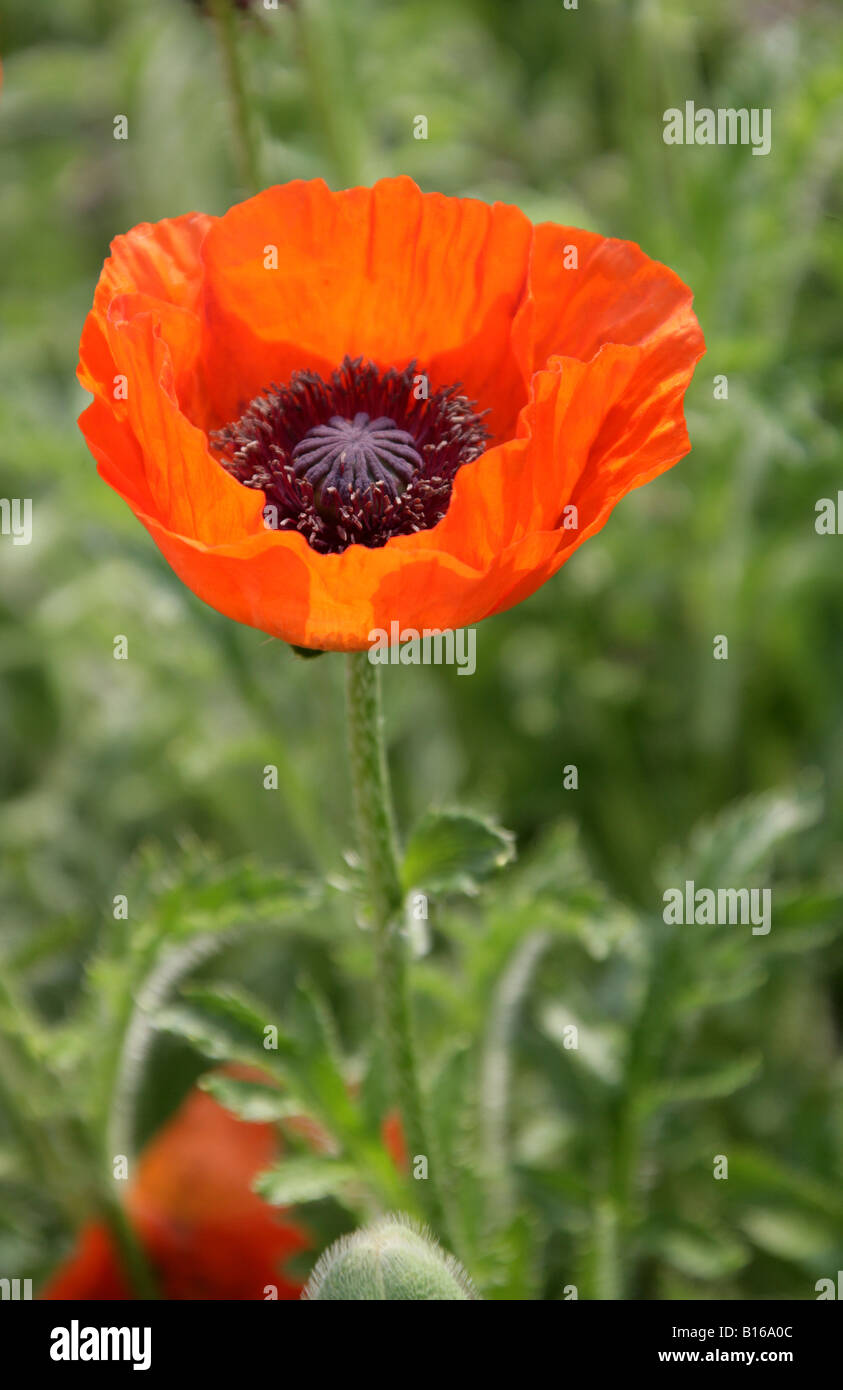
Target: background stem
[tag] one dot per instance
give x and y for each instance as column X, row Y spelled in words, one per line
column 376, row 833
column 334, row 104
column 225, row 23
column 131, row 1253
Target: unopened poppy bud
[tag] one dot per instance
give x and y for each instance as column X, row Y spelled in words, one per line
column 394, row 1259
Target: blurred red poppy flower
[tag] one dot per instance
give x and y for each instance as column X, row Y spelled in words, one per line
column 206, row 1233
column 392, row 1134
column 334, row 411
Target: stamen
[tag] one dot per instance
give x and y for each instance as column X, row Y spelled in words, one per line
column 357, row 459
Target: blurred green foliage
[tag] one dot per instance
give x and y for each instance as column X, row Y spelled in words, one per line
column 141, row 777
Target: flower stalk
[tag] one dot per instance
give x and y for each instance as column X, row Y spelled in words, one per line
column 379, row 852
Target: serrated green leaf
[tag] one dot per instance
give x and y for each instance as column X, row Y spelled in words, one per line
column 232, row 895
column 224, row 1025
column 249, row 1100
column 297, row 1180
column 454, row 851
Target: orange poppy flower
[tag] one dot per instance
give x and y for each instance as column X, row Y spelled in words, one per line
column 206, row 1233
column 336, row 411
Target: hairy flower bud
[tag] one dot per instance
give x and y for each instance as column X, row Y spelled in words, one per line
column 392, row 1259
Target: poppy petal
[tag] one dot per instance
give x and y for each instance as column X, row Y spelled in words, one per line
column 205, row 1231
column 387, row 273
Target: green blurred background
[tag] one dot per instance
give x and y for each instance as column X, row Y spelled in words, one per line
column 609, row 667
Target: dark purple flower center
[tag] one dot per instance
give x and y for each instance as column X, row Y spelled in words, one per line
column 354, row 460
column 350, row 456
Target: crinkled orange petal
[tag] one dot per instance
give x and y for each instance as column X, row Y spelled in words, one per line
column 387, row 273
column 614, row 293
column 189, row 496
column 160, row 261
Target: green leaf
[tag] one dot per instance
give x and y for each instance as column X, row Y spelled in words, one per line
column 755, row 1174
column 791, row 1235
column 699, row 1253
column 598, row 1047
column 554, row 888
column 250, row 1100
column 806, row 919
column 506, row 1265
column 223, row 1025
column 712, row 1083
column 229, row 895
column 454, row 851
column 181, row 913
column 742, row 839
column 297, row 1180
column 719, row 988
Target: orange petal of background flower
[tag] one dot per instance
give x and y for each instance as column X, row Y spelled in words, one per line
column 207, row 1234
